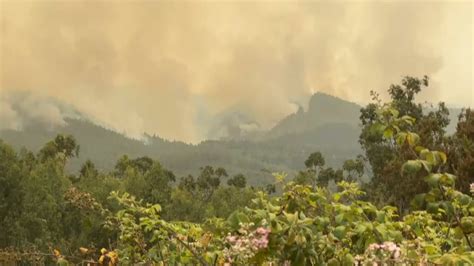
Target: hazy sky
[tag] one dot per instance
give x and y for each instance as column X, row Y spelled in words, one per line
column 170, row 67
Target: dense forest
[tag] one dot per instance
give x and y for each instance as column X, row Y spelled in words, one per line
column 406, row 199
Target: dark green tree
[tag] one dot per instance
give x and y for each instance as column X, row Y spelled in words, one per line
column 384, row 156
column 11, row 195
column 314, row 161
column 239, row 181
column 353, row 169
column 208, row 181
column 63, row 146
column 88, row 169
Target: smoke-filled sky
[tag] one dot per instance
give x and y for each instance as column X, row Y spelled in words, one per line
column 171, row 67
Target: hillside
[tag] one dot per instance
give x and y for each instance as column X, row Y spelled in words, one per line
column 323, row 109
column 329, row 125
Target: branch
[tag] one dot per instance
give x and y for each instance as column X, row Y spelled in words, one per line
column 457, row 219
column 186, row 245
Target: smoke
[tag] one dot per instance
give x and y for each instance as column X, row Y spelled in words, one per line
column 170, row 68
column 9, row 118
column 19, row 110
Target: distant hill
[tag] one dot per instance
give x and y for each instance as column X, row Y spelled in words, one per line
column 323, row 110
column 329, row 125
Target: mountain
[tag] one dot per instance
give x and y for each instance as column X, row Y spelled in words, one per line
column 323, row 110
column 329, row 125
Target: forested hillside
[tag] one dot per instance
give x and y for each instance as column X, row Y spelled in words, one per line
column 416, row 208
column 329, row 125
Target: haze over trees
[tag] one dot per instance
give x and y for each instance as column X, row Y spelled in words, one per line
column 329, row 125
column 406, row 198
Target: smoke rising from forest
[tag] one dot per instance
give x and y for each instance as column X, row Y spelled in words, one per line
column 171, row 67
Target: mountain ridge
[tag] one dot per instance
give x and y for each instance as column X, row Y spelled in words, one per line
column 329, row 125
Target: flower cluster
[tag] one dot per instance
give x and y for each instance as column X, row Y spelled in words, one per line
column 387, row 251
column 246, row 243
column 472, row 187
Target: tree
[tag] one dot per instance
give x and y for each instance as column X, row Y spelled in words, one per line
column 88, row 169
column 315, row 160
column 384, row 156
column 208, row 181
column 238, row 181
column 158, row 184
column 460, row 150
column 43, row 203
column 354, row 169
column 196, row 199
column 315, row 173
column 140, row 164
column 64, row 146
column 327, row 174
column 11, row 194
column 305, row 177
column 187, row 183
column 121, row 166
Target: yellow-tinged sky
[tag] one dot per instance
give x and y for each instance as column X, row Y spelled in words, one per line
column 169, row 67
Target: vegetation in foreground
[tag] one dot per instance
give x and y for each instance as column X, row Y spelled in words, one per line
column 416, row 210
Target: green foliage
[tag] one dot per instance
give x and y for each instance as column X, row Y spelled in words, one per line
column 145, row 237
column 309, row 225
column 317, row 174
column 237, row 181
column 392, row 133
column 63, row 146
column 321, row 217
column 314, row 160
column 460, row 150
column 354, row 169
column 301, row 227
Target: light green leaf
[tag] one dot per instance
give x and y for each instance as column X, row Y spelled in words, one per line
column 411, row 166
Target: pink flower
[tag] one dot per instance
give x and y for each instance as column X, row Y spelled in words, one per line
column 231, row 239
column 262, row 231
column 374, row 246
column 390, row 246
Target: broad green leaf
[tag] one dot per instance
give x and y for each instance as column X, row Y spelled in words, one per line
column 447, row 179
column 339, row 232
column 360, row 228
column 291, row 217
column 348, row 260
column 443, row 157
column 411, row 166
column 427, row 166
column 394, row 112
column 412, row 139
column 401, row 138
column 433, row 179
column 431, row 158
column 382, row 230
column 432, row 207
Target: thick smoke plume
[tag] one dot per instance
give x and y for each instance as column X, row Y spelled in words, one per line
column 170, row 67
